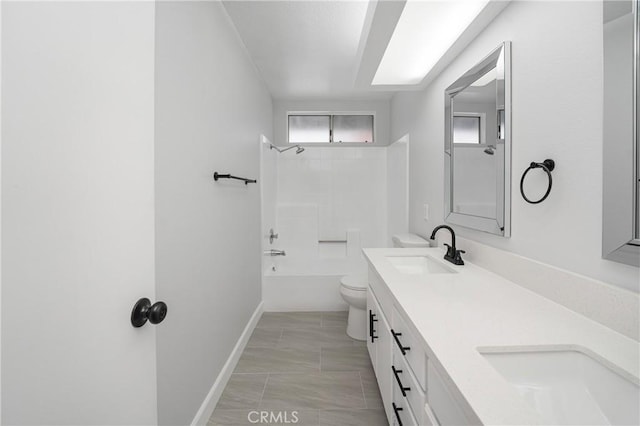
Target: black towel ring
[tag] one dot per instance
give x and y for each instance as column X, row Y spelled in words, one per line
column 547, row 165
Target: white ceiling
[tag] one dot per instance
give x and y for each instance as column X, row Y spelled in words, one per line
column 304, row 49
column 331, row 49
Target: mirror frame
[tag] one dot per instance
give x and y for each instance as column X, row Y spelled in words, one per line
column 620, row 227
column 493, row 226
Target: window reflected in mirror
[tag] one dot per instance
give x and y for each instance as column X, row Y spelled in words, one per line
column 467, row 128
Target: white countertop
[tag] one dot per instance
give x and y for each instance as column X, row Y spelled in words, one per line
column 455, row 314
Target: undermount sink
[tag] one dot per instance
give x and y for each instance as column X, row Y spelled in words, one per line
column 570, row 387
column 418, row 265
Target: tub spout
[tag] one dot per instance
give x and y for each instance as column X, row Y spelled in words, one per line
column 274, row 252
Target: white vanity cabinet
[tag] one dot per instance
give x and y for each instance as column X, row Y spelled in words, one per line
column 413, row 392
column 454, row 348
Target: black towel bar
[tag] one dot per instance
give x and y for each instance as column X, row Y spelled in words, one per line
column 246, row 181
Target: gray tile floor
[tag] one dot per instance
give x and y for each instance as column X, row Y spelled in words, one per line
column 302, row 362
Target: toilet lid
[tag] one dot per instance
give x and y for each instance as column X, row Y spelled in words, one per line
column 409, row 240
column 355, row 282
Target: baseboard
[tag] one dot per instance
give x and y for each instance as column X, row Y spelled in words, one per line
column 212, row 398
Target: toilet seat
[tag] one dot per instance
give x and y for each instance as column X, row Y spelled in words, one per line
column 355, row 282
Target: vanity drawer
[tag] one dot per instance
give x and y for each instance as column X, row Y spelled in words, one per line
column 404, row 379
column 408, row 344
column 401, row 413
column 444, row 406
column 380, row 289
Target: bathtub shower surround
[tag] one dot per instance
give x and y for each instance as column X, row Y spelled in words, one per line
column 268, row 188
column 330, row 202
column 333, row 190
column 398, row 188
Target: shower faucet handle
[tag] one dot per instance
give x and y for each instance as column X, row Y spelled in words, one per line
column 272, row 236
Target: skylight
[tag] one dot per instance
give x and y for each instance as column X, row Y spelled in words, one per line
column 425, row 31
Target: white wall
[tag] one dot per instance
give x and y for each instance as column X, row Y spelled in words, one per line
column 380, row 107
column 557, row 113
column 210, row 111
column 77, row 212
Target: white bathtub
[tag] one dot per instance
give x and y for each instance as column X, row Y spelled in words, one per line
column 298, row 285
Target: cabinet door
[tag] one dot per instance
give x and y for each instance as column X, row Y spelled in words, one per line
column 372, row 328
column 429, row 418
column 442, row 403
column 384, row 360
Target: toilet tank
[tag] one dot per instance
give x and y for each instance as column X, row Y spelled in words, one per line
column 408, row 241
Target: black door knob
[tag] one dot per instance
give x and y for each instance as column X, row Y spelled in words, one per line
column 144, row 311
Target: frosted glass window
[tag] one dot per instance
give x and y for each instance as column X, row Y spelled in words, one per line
column 353, row 128
column 309, row 128
column 466, row 129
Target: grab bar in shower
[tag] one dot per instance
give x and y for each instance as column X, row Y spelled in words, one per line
column 246, row 181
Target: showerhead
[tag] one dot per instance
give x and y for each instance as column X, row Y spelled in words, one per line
column 298, row 148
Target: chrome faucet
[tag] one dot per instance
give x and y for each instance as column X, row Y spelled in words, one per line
column 272, row 236
column 274, row 252
column 452, row 255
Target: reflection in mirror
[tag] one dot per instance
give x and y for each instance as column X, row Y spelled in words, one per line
column 477, row 146
column 621, row 189
column 478, row 157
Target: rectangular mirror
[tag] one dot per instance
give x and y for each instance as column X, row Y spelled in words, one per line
column 478, row 146
column 621, row 189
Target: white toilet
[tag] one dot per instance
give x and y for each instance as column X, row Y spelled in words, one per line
column 353, row 289
column 409, row 241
